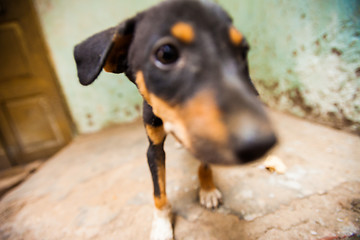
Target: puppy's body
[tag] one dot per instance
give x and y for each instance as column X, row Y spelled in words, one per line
column 189, row 64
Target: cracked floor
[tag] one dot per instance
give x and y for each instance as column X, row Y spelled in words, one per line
column 99, row 187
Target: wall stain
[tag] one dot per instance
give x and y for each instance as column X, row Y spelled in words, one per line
column 315, row 73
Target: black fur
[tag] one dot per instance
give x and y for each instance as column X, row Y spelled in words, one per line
column 91, row 54
column 149, row 117
column 211, row 62
column 156, row 160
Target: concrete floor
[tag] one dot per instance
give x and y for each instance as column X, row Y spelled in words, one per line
column 99, row 187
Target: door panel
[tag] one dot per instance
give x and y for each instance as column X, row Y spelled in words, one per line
column 14, row 54
column 34, row 122
column 4, row 160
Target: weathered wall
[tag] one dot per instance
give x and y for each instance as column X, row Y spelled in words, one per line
column 304, row 57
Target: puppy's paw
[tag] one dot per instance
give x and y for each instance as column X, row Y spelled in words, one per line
column 210, row 198
column 161, row 228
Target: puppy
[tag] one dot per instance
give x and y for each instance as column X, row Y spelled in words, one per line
column 190, row 65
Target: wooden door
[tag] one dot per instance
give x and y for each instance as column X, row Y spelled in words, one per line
column 34, row 122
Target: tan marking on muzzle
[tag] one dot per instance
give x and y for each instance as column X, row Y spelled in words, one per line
column 183, row 31
column 171, row 115
column 199, row 116
column 203, row 117
column 163, row 110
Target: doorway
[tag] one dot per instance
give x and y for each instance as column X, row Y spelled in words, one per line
column 34, row 120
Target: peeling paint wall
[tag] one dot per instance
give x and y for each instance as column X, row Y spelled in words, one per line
column 304, row 57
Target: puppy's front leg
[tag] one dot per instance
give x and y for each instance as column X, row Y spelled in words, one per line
column 161, row 225
column 209, row 195
column 162, row 221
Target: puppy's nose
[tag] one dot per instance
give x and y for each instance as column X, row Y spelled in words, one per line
column 254, row 147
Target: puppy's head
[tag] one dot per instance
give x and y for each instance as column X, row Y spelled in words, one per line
column 190, row 64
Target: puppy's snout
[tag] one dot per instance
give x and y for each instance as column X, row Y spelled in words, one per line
column 251, row 135
column 253, row 147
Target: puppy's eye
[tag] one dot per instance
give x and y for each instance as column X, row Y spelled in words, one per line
column 167, row 54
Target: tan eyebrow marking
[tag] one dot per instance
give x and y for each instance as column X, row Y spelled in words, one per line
column 183, row 31
column 235, row 36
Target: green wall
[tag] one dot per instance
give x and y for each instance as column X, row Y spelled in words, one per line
column 112, row 98
column 304, row 57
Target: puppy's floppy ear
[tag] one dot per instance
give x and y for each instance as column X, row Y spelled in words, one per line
column 107, row 49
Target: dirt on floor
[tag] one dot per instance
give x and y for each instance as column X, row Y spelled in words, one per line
column 99, row 187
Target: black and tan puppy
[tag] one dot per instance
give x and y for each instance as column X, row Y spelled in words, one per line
column 190, row 65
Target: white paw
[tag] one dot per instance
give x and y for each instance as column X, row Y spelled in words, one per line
column 210, row 199
column 161, row 228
